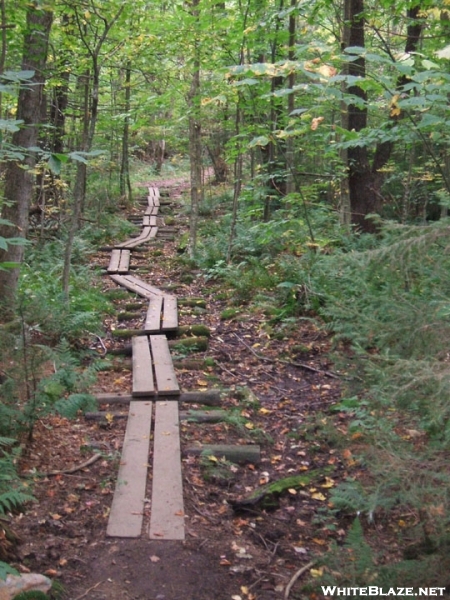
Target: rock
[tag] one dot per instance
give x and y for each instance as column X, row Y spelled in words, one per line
column 15, row 584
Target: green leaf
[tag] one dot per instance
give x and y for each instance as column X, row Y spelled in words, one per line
column 262, row 140
column 5, row 570
column 54, row 164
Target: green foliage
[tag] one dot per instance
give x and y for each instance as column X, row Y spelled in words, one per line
column 13, row 493
column 75, row 403
column 5, row 570
column 44, row 305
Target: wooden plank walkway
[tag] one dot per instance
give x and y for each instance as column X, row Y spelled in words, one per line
column 127, row 510
column 167, row 513
column 153, row 371
column 120, row 261
column 153, row 377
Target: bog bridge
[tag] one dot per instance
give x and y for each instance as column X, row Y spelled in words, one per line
column 155, row 391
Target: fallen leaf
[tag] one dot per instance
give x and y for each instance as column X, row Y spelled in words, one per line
column 316, row 572
column 154, row 558
column 318, row 496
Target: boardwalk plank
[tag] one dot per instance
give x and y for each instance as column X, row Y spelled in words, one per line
column 170, row 313
column 166, row 380
column 124, row 263
column 127, row 510
column 114, row 261
column 153, row 319
column 137, row 286
column 143, row 382
column 167, row 514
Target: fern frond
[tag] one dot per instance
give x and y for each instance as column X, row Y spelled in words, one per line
column 71, row 406
column 12, row 500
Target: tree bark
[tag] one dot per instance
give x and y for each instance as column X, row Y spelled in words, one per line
column 19, row 178
column 364, row 176
column 195, row 141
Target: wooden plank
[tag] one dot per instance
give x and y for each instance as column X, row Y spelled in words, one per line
column 150, row 235
column 149, row 220
column 132, row 242
column 137, row 286
column 166, row 380
column 153, row 319
column 208, row 398
column 131, row 285
column 150, row 288
column 124, row 264
column 114, row 262
column 151, row 210
column 167, row 513
column 170, row 313
column 127, row 510
column 143, row 383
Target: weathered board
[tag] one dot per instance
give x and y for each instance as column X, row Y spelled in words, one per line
column 167, row 512
column 120, row 261
column 143, row 382
column 166, row 379
column 153, row 318
column 170, row 313
column 149, row 220
column 127, row 510
column 152, row 210
column 137, row 286
column 114, row 261
column 124, row 263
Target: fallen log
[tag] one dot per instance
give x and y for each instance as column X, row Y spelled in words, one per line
column 207, row 398
column 235, row 454
column 197, row 416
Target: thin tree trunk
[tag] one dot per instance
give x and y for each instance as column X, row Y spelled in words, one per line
column 19, row 178
column 195, row 142
column 125, row 184
column 290, row 146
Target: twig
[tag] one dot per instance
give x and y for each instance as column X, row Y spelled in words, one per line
column 89, row 590
column 294, row 579
column 102, row 344
column 309, row 368
column 86, row 463
column 289, row 362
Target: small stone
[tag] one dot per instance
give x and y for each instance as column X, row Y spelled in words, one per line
column 15, row 584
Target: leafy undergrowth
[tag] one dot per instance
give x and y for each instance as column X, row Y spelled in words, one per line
column 247, row 535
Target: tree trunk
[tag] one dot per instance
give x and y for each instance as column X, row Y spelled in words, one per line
column 195, row 141
column 125, row 184
column 364, row 178
column 19, row 178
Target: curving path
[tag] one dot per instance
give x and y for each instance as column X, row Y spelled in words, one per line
column 155, row 391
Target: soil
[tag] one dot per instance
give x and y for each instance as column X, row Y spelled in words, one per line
column 276, row 380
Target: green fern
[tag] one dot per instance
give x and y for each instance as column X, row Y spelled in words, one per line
column 75, row 403
column 13, row 500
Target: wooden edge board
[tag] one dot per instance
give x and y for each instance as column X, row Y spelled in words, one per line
column 166, row 379
column 135, row 285
column 170, row 313
column 127, row 510
column 154, row 290
column 132, row 287
column 124, row 263
column 167, row 513
column 143, row 381
column 153, row 318
column 114, row 261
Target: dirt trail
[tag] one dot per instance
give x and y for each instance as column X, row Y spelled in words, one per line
column 252, row 555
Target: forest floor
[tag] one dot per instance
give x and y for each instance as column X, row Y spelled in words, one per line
column 277, row 380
